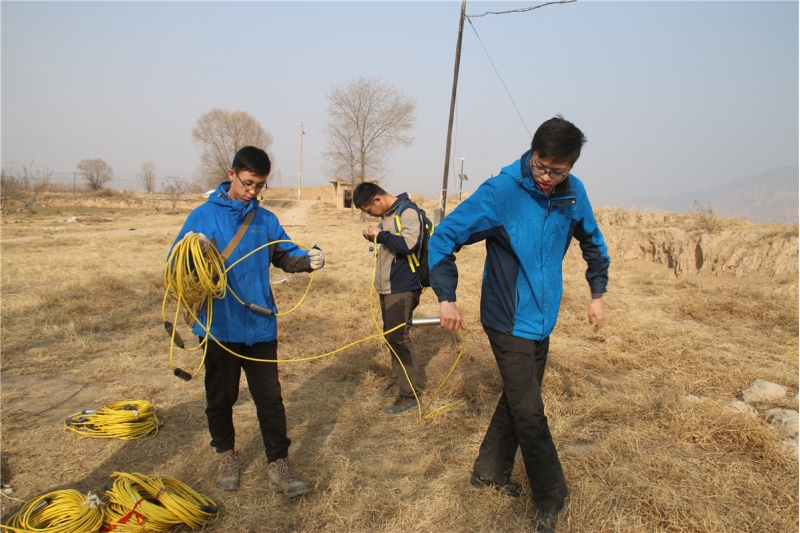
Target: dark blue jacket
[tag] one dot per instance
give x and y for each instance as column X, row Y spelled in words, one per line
column 218, row 219
column 527, row 234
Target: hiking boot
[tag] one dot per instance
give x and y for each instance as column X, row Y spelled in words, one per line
column 547, row 520
column 507, row 489
column 228, row 478
column 391, row 390
column 400, row 405
column 282, row 479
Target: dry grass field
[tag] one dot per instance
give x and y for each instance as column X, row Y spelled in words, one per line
column 637, row 410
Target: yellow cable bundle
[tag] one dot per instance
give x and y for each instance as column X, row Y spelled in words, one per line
column 62, row 511
column 139, row 503
column 126, row 420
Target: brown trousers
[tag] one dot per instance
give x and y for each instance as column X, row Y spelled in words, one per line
column 398, row 309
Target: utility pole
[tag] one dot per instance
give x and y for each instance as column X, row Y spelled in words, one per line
column 74, row 177
column 461, row 178
column 443, row 201
column 300, row 165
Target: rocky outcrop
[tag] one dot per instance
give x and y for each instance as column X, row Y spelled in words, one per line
column 741, row 248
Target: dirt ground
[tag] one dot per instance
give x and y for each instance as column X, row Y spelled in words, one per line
column 81, row 326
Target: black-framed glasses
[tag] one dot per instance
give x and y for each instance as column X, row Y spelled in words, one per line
column 256, row 188
column 539, row 171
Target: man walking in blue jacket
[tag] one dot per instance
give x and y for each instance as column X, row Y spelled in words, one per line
column 527, row 215
column 242, row 330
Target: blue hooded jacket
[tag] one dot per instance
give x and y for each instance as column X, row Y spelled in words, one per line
column 527, row 235
column 218, row 219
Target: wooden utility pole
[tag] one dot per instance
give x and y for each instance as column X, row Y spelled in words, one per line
column 74, row 178
column 300, row 165
column 443, row 201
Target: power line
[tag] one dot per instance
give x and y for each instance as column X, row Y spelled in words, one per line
column 520, row 10
column 498, row 74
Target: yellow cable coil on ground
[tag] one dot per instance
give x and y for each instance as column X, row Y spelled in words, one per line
column 62, row 511
column 126, row 420
column 138, row 503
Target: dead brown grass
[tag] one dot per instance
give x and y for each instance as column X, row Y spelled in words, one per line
column 81, row 327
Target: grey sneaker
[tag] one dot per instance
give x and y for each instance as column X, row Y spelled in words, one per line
column 391, row 390
column 228, row 478
column 400, row 405
column 282, row 479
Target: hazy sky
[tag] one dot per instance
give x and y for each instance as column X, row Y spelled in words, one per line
column 672, row 96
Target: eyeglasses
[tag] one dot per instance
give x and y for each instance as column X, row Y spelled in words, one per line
column 256, row 188
column 555, row 176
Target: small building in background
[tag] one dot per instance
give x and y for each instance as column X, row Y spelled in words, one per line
column 343, row 192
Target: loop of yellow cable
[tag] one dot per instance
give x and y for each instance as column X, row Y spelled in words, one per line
column 62, row 511
column 125, row 420
column 138, row 503
column 193, row 277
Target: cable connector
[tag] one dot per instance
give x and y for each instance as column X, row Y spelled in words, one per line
column 184, row 375
column 259, row 309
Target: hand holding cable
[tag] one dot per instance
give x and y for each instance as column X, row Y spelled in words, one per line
column 316, row 258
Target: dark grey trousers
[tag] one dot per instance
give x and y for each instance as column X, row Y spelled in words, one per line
column 519, row 421
column 397, row 309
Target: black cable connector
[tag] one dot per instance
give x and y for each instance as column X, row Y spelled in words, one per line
column 210, row 509
column 184, row 375
column 174, row 335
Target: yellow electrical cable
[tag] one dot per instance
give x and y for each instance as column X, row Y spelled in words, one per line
column 125, row 420
column 140, row 503
column 192, row 284
column 62, row 511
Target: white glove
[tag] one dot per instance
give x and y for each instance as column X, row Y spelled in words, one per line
column 316, row 258
column 204, row 242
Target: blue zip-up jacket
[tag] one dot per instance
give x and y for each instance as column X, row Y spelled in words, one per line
column 219, row 219
column 527, row 235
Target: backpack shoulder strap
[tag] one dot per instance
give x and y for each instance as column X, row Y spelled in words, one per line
column 238, row 236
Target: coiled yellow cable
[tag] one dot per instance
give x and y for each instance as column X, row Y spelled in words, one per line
column 126, row 420
column 62, row 511
column 139, row 503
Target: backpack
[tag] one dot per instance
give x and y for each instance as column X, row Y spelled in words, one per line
column 419, row 261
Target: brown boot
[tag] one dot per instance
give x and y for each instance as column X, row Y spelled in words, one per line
column 228, row 478
column 282, row 479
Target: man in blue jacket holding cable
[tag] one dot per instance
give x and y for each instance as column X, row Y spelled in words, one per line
column 249, row 329
column 527, row 215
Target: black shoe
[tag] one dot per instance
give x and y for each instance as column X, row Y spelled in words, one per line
column 400, row 405
column 547, row 520
column 507, row 489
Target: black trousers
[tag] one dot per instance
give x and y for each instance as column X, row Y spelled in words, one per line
column 223, row 371
column 519, row 421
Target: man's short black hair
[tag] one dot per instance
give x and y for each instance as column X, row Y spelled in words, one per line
column 253, row 160
column 558, row 138
column 365, row 192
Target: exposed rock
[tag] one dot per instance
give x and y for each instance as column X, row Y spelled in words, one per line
column 761, row 391
column 657, row 237
column 738, row 406
column 783, row 421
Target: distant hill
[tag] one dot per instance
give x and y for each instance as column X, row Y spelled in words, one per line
column 771, row 196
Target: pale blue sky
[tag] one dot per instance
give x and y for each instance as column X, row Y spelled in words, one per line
column 672, row 96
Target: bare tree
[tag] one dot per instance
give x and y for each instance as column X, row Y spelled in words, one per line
column 222, row 133
column 369, row 117
column 95, row 171
column 176, row 188
column 23, row 185
column 147, row 179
